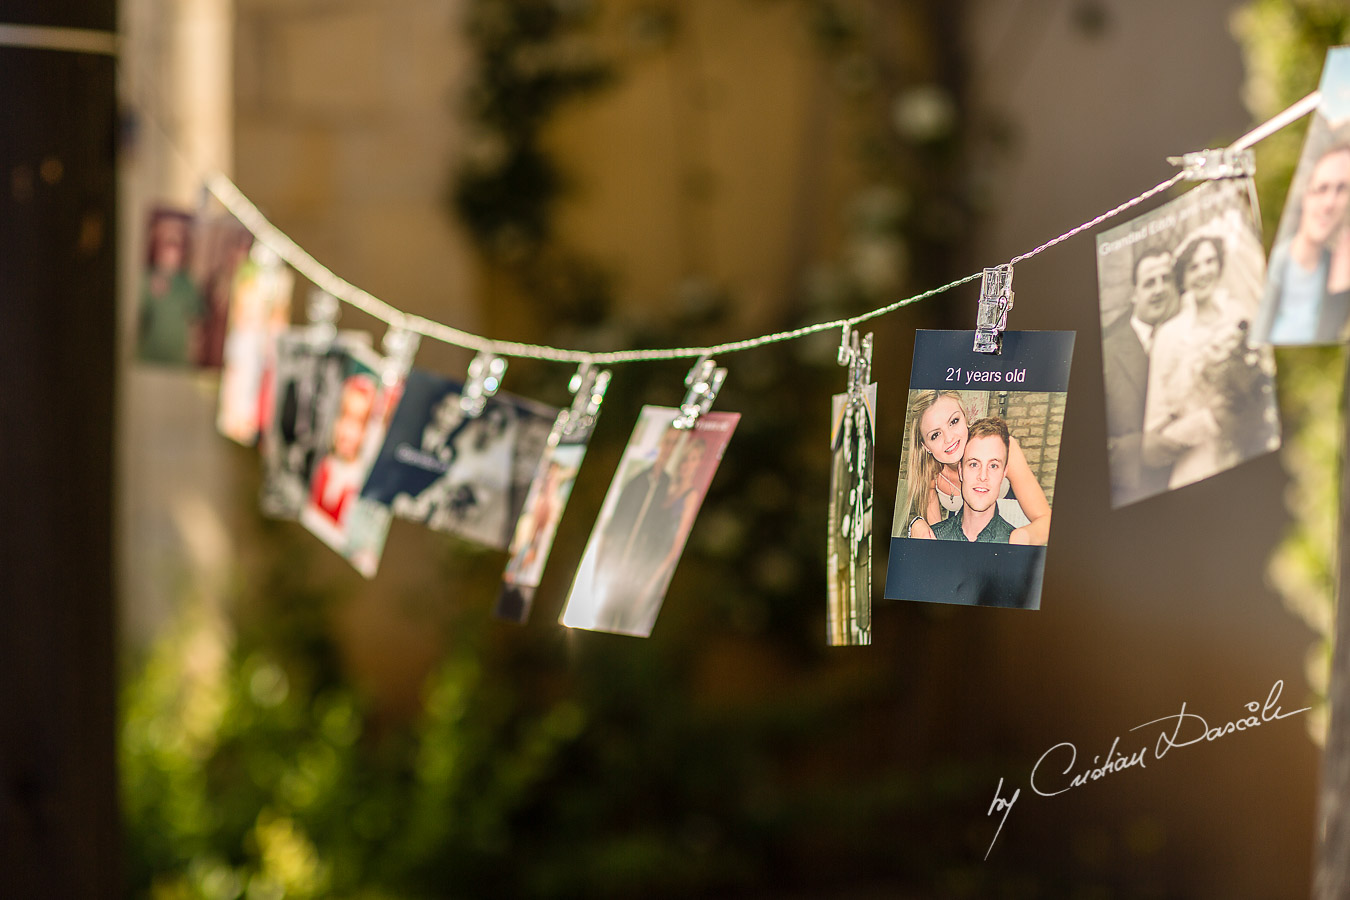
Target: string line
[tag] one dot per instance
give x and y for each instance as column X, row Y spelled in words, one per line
column 1093, row 223
column 1278, row 121
column 248, row 214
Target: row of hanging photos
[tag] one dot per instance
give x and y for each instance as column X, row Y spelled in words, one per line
column 324, row 409
column 1205, row 387
column 351, row 439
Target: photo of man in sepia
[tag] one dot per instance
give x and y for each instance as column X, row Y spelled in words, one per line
column 1187, row 396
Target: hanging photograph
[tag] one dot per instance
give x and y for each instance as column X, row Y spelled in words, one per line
column 848, row 620
column 977, row 476
column 463, row 475
column 365, row 404
column 221, row 248
column 1187, row 396
column 260, row 310
column 190, row 263
column 645, row 521
column 1307, row 292
column 308, row 381
column 538, row 524
column 170, row 312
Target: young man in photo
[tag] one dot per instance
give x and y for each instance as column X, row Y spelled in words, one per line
column 982, row 465
column 1302, row 305
column 1126, row 345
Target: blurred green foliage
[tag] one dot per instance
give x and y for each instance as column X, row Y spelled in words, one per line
column 1284, row 44
column 243, row 777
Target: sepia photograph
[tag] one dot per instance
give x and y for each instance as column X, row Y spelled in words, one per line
column 1307, row 293
column 978, row 468
column 1187, row 395
column 645, row 521
column 464, row 475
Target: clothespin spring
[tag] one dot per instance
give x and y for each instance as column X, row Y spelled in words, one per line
column 703, row 382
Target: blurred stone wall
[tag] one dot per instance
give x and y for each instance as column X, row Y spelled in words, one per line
column 175, row 538
column 345, row 135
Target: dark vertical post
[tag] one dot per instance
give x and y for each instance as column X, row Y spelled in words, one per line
column 58, row 811
column 1331, row 877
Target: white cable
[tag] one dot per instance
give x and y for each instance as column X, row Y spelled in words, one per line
column 252, row 218
column 1275, row 123
column 1092, row 223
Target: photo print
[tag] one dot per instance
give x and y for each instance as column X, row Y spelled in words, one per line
column 222, row 247
column 308, row 384
column 538, row 524
column 645, row 521
column 466, row 476
column 977, row 476
column 365, row 404
column 185, row 289
column 170, row 310
column 1307, row 292
column 1187, row 396
column 260, row 310
column 849, row 583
